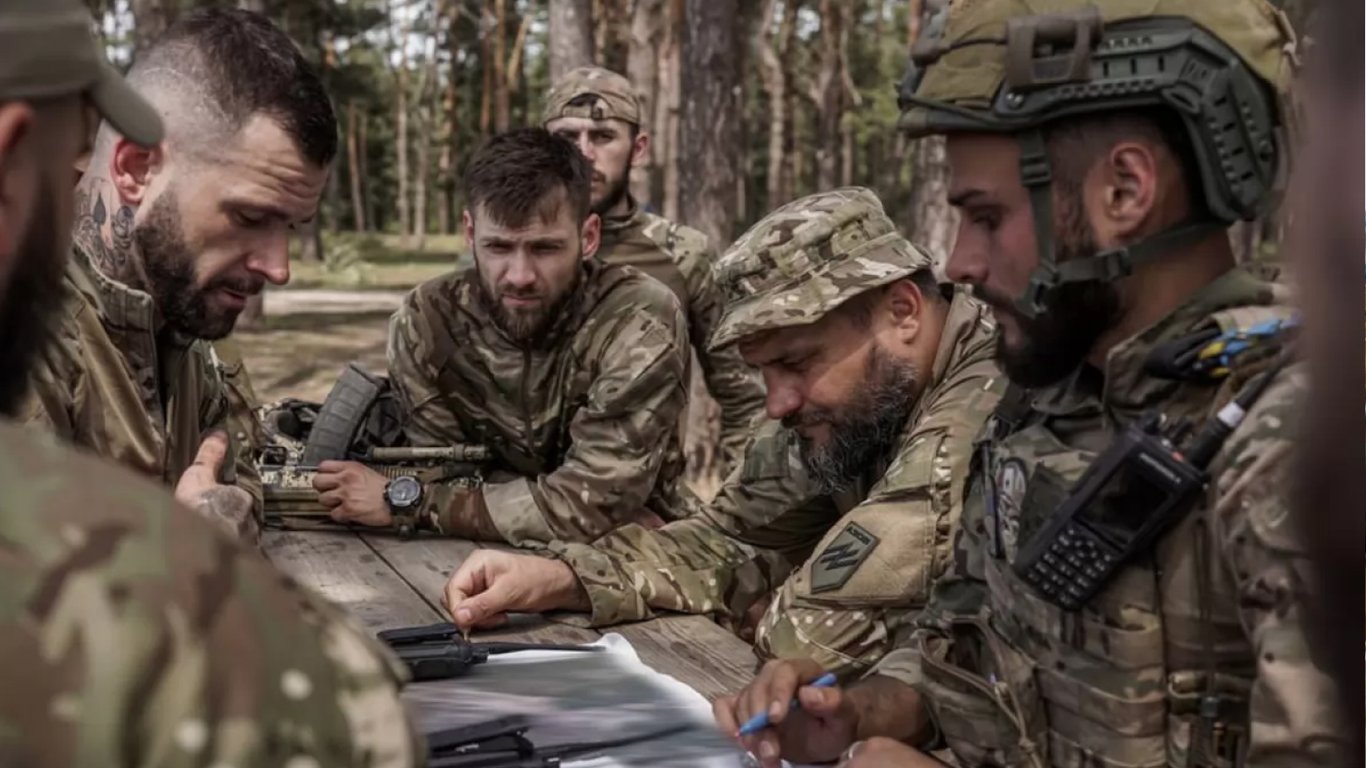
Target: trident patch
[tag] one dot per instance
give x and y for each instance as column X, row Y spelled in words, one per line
column 838, row 561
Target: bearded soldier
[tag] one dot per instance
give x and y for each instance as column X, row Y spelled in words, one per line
column 840, row 517
column 1128, row 588
column 599, row 111
column 570, row 370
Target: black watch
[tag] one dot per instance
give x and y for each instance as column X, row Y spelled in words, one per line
column 403, row 494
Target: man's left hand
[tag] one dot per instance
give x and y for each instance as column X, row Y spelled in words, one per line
column 882, row 752
column 354, row 493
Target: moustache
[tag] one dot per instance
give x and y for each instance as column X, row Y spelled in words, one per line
column 245, row 286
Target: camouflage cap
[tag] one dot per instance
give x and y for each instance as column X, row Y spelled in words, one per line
column 615, row 98
column 47, row 50
column 808, row 257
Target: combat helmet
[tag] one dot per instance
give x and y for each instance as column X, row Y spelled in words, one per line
column 1222, row 67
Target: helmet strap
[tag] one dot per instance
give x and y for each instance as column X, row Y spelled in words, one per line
column 1112, row 264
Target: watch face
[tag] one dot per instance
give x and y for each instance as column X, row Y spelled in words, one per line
column 403, row 491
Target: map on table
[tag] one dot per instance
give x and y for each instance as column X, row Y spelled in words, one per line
column 573, row 698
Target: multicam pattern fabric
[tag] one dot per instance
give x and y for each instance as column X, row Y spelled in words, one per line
column 614, row 97
column 760, row 547
column 1014, row 680
column 581, row 426
column 808, row 257
column 133, row 633
column 681, row 258
column 115, row 386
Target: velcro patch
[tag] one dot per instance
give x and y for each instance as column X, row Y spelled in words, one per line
column 836, row 563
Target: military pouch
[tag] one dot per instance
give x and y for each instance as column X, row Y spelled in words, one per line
column 1208, row 719
column 983, row 695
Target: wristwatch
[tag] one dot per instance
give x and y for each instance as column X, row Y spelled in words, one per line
column 403, row 494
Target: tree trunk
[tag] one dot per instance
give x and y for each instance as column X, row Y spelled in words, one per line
column 709, row 131
column 405, row 222
column 643, row 70
column 487, row 25
column 671, row 98
column 150, row 20
column 353, row 163
column 930, row 221
column 571, row 36
column 445, row 213
column 364, row 158
column 774, row 80
column 825, row 93
column 501, row 103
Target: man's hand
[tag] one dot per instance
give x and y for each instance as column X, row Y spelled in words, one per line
column 490, row 584
column 882, row 752
column 825, row 725
column 354, row 493
column 226, row 506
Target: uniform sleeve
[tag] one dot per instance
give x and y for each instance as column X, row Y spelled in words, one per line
column 1295, row 719
column 155, row 639
column 870, row 577
column 413, row 374
column 723, row 558
column 617, row 438
column 240, row 420
column 737, row 388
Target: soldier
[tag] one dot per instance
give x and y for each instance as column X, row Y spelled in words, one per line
column 171, row 240
column 599, row 111
column 1151, row 614
column 571, row 371
column 877, row 379
column 131, row 631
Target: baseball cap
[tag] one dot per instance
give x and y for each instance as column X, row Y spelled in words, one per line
column 47, row 50
column 808, row 257
column 615, row 98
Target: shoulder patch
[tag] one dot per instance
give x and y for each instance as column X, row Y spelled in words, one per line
column 838, row 562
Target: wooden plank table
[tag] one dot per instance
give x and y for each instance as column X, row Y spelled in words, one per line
column 388, row 582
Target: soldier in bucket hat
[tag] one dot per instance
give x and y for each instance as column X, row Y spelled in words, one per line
column 825, row 540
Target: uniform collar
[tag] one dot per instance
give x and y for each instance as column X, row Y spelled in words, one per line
column 617, row 227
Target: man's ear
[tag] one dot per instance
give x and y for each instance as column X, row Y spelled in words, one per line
column 590, row 235
column 18, row 179
column 905, row 303
column 1129, row 189
column 640, row 149
column 467, row 220
column 131, row 169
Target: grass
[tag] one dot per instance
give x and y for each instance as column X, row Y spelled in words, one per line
column 371, row 261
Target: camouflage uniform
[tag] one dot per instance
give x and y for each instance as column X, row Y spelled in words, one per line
column 113, row 383
column 133, row 633
column 864, row 559
column 581, row 425
column 678, row 256
column 1194, row 654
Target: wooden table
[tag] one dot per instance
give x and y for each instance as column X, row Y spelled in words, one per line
column 388, row 582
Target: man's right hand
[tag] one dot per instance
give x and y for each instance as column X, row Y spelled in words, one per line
column 824, row 726
column 490, row 584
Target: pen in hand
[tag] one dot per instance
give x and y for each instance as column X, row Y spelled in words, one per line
column 760, row 721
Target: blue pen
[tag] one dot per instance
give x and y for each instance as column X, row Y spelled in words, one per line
column 760, row 721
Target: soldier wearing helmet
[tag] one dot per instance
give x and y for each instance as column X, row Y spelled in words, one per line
column 1127, row 587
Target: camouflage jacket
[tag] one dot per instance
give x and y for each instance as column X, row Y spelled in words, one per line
column 581, row 426
column 1011, row 679
column 133, row 634
column 114, row 384
column 681, row 258
column 877, row 547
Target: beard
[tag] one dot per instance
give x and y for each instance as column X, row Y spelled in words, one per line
column 31, row 305
column 616, row 190
column 864, row 430
column 1054, row 342
column 170, row 267
column 526, row 326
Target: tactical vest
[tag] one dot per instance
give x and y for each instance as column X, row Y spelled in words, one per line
column 1127, row 680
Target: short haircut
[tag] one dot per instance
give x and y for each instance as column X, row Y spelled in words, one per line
column 528, row 171
column 215, row 69
column 860, row 308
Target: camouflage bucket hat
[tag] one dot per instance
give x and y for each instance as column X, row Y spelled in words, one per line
column 609, row 96
column 808, row 257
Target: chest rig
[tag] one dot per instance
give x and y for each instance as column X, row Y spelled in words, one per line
column 1107, row 638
